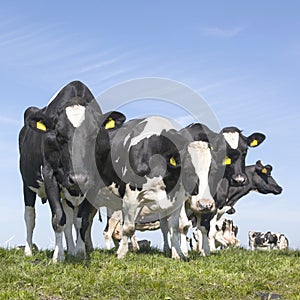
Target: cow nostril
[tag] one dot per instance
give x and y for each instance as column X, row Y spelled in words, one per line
column 239, row 178
column 77, row 179
column 72, row 179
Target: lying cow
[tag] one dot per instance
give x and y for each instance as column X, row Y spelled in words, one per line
column 267, row 240
column 259, row 180
column 113, row 229
column 152, row 168
column 56, row 146
column 225, row 235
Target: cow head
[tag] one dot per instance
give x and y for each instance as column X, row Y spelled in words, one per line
column 70, row 124
column 263, row 182
column 196, row 163
column 230, row 148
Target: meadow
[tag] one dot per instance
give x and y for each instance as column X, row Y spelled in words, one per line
column 148, row 274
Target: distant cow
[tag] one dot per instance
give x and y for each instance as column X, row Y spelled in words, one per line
column 225, row 235
column 56, row 146
column 267, row 240
column 113, row 229
column 259, row 180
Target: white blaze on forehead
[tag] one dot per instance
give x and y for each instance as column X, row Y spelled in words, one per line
column 201, row 160
column 76, row 114
column 232, row 139
column 153, row 126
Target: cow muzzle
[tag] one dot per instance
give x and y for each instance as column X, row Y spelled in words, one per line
column 76, row 184
column 239, row 179
column 203, row 205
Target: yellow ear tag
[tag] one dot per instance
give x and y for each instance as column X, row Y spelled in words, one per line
column 110, row 123
column 226, row 161
column 173, row 161
column 254, row 143
column 264, row 171
column 41, row 126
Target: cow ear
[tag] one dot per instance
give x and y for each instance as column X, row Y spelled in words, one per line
column 113, row 120
column 255, row 139
column 39, row 122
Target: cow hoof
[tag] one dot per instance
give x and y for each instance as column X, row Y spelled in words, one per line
column 58, row 258
column 185, row 258
column 81, row 254
column 27, row 252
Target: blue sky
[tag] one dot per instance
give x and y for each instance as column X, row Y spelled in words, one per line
column 243, row 58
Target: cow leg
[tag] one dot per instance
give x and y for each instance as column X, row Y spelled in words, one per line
column 85, row 211
column 130, row 212
column 184, row 226
column 212, row 234
column 202, row 233
column 165, row 229
column 29, row 217
column 109, row 230
column 175, row 235
column 69, row 211
column 88, row 234
column 135, row 245
column 59, row 254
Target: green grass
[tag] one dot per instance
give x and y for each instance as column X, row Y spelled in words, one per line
column 228, row 274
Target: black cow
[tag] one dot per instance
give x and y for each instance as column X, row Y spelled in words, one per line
column 56, row 149
column 259, row 179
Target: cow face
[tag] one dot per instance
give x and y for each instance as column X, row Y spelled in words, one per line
column 263, row 181
column 234, row 145
column 70, row 124
column 196, row 165
column 230, row 148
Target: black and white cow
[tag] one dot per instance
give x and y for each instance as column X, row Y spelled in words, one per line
column 56, row 149
column 267, row 240
column 228, row 149
column 150, row 166
column 225, row 235
column 259, row 180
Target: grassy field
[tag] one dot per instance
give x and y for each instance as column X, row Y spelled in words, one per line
column 228, row 274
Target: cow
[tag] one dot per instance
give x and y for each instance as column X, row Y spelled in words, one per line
column 113, row 228
column 259, row 180
column 151, row 167
column 56, row 145
column 267, row 240
column 225, row 235
column 228, row 149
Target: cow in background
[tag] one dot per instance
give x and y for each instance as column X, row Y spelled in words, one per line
column 225, row 235
column 259, row 179
column 267, row 240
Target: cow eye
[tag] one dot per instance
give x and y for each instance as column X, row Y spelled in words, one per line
column 226, row 161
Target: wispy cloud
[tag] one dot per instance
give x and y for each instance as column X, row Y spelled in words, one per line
column 9, row 121
column 221, row 32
